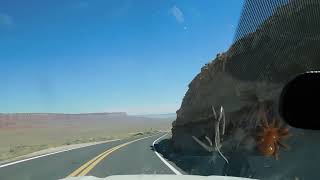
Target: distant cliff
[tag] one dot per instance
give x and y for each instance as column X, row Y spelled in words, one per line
column 253, row 70
column 57, row 116
column 115, row 121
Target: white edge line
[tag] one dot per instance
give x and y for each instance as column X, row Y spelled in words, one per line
column 162, row 159
column 36, row 157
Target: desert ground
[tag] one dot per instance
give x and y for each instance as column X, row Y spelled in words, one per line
column 26, row 133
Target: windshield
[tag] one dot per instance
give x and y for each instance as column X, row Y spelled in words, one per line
column 101, row 88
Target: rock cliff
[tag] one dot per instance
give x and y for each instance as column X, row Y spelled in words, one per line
column 252, row 71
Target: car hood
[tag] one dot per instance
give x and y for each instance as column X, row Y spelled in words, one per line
column 158, row 177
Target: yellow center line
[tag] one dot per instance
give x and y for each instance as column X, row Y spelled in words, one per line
column 88, row 166
column 81, row 168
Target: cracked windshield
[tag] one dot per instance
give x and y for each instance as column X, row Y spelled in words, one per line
column 154, row 89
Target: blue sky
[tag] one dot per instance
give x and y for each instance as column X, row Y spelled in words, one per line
column 136, row 56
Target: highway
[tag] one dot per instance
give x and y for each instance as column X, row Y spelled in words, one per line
column 129, row 156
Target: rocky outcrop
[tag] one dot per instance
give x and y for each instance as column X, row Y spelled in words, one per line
column 252, row 71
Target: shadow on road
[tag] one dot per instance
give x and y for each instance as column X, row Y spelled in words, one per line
column 205, row 164
column 299, row 162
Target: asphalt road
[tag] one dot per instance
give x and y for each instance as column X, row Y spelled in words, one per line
column 130, row 156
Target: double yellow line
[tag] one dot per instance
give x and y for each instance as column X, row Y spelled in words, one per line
column 87, row 167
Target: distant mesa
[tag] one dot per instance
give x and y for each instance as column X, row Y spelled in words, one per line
column 57, row 116
column 159, row 116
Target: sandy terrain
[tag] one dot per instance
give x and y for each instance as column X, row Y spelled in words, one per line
column 21, row 135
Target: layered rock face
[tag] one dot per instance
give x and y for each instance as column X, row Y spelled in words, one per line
column 253, row 71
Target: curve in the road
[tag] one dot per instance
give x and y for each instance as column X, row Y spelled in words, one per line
column 87, row 167
column 137, row 158
column 48, row 154
column 162, row 159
